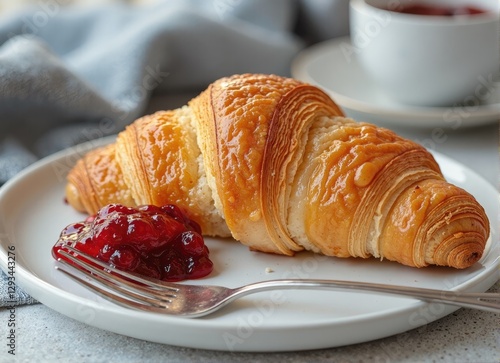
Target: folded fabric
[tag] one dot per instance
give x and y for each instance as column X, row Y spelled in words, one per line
column 101, row 64
column 13, row 296
column 72, row 74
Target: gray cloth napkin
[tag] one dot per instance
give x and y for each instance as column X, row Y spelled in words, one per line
column 13, row 297
column 69, row 75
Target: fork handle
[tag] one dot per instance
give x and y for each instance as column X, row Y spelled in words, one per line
column 479, row 301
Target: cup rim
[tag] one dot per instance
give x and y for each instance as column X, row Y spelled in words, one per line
column 489, row 16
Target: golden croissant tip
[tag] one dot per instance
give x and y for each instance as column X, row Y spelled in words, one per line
column 470, row 260
column 73, row 198
column 464, row 259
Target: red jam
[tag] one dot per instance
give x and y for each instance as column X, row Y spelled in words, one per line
column 438, row 10
column 158, row 242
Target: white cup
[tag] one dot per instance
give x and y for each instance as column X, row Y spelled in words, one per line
column 426, row 60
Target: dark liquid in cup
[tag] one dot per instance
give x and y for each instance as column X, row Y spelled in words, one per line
column 438, row 10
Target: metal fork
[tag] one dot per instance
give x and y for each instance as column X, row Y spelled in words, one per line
column 136, row 292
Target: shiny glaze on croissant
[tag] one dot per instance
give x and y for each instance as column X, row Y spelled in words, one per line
column 274, row 163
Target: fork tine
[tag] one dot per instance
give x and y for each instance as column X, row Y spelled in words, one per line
column 118, row 289
column 113, row 297
column 151, row 282
column 118, row 282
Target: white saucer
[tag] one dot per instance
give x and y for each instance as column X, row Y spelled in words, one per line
column 332, row 66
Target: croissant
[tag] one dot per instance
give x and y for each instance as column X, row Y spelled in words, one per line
column 274, row 163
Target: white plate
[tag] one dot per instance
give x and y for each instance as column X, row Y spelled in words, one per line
column 333, row 66
column 33, row 212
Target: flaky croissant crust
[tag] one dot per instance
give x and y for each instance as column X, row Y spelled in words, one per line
column 274, row 163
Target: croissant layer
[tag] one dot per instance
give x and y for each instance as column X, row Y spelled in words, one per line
column 274, row 163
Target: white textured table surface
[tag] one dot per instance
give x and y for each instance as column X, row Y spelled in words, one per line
column 464, row 336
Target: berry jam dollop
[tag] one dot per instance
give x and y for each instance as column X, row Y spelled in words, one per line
column 159, row 242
